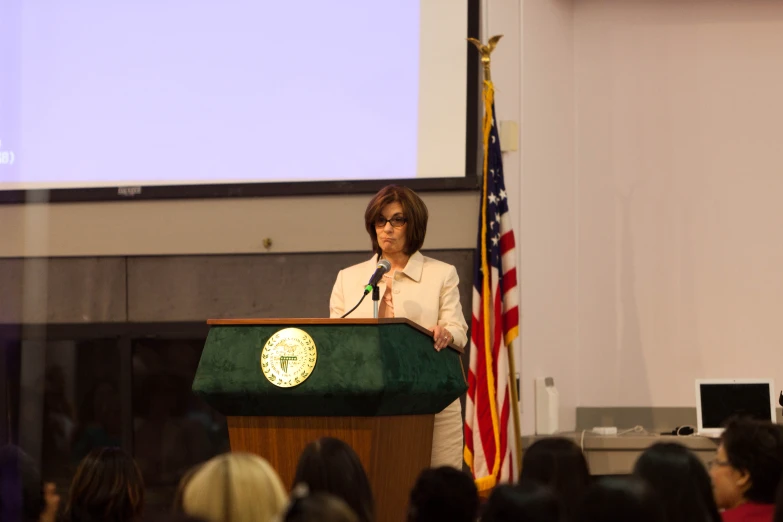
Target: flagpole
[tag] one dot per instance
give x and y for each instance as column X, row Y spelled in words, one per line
column 512, row 384
column 485, row 51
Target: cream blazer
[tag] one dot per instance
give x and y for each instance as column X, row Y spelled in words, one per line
column 426, row 292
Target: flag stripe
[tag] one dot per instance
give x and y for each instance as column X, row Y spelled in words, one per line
column 494, row 324
column 506, row 242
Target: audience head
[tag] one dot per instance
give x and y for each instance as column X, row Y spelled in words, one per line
column 620, row 500
column 559, row 464
column 529, row 502
column 331, row 466
column 318, row 507
column 680, row 480
column 234, row 487
column 23, row 496
column 177, row 506
column 107, row 487
column 748, row 464
column 443, row 494
column 171, row 517
column 779, row 504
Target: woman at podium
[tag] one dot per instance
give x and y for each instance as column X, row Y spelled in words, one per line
column 416, row 287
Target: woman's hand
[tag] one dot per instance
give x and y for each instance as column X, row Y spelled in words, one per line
column 51, row 503
column 442, row 337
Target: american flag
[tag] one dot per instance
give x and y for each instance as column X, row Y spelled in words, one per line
column 489, row 447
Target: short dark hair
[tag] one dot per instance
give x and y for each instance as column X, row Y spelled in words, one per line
column 680, row 480
column 107, row 486
column 619, row 500
column 413, row 208
column 330, row 465
column 21, row 487
column 779, row 504
column 756, row 447
column 318, row 507
column 558, row 463
column 171, row 517
column 530, row 502
column 177, row 505
column 443, row 494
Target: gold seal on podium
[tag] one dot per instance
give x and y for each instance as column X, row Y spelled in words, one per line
column 288, row 357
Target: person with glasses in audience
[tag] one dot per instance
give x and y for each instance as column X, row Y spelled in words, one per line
column 747, row 469
column 417, row 287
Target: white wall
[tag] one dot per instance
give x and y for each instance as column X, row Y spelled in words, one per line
column 647, row 194
column 549, row 204
column 679, row 125
column 532, row 70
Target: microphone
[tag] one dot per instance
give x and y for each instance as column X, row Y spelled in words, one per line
column 383, row 267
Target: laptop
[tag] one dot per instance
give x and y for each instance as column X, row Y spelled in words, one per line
column 719, row 399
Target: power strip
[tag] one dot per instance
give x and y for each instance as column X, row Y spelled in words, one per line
column 605, row 430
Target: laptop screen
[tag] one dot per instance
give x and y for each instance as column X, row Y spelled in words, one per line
column 721, row 401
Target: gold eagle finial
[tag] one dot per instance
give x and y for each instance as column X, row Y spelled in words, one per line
column 485, row 51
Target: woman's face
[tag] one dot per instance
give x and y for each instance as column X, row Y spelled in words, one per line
column 728, row 483
column 391, row 239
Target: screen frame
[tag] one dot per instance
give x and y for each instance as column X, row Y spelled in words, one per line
column 468, row 182
column 716, row 432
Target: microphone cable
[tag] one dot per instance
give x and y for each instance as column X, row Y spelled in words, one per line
column 357, row 305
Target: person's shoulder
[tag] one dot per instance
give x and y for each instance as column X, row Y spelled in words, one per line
column 363, row 264
column 359, row 268
column 434, row 266
column 748, row 511
column 436, row 263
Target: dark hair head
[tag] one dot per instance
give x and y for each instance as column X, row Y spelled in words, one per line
column 620, row 500
column 756, row 447
column 331, row 466
column 318, row 507
column 680, row 481
column 529, row 502
column 21, row 489
column 107, row 487
column 413, row 208
column 443, row 494
column 171, row 517
column 779, row 504
column 558, row 463
column 177, row 505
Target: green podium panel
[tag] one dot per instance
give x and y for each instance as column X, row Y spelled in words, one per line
column 365, row 367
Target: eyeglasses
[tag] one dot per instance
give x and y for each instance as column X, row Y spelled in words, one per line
column 717, row 462
column 396, row 221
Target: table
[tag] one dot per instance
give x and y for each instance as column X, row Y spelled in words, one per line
column 617, row 454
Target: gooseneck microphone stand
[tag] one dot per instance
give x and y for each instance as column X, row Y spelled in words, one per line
column 376, row 296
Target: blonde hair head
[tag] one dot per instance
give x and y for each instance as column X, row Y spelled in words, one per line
column 235, row 487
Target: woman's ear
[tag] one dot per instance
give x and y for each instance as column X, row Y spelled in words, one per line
column 742, row 480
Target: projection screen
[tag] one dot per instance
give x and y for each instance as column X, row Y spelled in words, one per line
column 177, row 93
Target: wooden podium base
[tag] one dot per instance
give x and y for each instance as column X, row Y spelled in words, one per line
column 393, row 449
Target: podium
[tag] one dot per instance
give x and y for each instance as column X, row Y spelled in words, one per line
column 376, row 384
